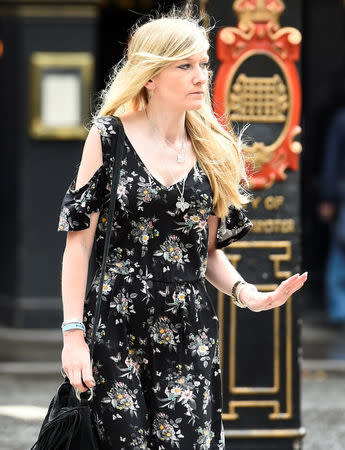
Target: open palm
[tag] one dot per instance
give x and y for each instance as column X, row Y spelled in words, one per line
column 262, row 301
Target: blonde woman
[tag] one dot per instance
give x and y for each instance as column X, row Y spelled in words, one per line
column 155, row 373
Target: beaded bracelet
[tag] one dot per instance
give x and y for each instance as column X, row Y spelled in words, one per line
column 236, row 296
column 233, row 296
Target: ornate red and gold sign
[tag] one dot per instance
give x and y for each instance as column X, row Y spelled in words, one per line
column 257, row 83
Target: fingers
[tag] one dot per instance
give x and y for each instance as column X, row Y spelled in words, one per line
column 77, row 366
column 281, row 294
column 296, row 281
column 296, row 276
column 303, row 277
column 291, row 285
column 81, row 379
column 87, row 377
column 76, row 381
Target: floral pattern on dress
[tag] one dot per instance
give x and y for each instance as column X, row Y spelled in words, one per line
column 156, row 357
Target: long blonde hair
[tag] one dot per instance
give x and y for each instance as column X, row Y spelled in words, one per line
column 152, row 47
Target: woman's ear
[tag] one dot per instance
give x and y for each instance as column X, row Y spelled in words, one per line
column 149, row 84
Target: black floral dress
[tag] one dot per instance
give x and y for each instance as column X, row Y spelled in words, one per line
column 156, row 358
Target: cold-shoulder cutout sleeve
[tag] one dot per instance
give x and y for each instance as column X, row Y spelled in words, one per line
column 78, row 204
column 233, row 227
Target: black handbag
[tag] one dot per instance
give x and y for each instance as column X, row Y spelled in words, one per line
column 68, row 424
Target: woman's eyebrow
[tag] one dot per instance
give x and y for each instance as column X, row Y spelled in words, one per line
column 191, row 59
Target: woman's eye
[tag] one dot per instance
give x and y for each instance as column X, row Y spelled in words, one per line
column 206, row 65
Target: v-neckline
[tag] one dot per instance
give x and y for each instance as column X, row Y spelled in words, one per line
column 149, row 172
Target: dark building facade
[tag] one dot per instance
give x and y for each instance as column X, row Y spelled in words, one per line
column 73, row 45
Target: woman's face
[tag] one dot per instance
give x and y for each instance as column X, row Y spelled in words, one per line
column 176, row 85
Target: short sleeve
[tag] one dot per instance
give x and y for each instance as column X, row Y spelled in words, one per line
column 233, row 227
column 78, row 204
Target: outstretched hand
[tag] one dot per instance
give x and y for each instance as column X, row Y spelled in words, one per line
column 262, row 301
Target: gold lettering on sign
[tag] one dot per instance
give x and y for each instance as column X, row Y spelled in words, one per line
column 259, row 99
column 270, row 202
column 255, row 202
column 269, row 226
column 273, row 201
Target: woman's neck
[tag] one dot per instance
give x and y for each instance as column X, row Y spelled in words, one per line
column 169, row 124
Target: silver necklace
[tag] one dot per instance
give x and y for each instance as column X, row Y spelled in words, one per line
column 181, row 154
column 181, row 203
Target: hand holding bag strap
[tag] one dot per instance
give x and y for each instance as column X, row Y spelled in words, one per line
column 117, row 151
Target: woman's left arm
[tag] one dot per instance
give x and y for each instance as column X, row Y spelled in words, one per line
column 222, row 275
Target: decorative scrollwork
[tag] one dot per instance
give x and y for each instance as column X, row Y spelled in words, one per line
column 293, row 35
column 245, row 31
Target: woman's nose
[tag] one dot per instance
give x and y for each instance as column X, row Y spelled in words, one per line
column 201, row 76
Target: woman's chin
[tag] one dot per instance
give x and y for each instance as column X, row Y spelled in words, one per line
column 194, row 105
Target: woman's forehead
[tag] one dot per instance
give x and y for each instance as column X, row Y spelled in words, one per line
column 196, row 56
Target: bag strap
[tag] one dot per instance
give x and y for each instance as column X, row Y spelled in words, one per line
column 117, row 149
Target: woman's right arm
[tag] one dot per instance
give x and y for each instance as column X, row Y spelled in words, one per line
column 75, row 263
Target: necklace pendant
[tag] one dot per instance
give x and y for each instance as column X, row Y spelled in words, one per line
column 181, row 204
column 180, row 157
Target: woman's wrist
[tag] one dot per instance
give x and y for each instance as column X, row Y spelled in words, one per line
column 247, row 288
column 73, row 335
column 236, row 288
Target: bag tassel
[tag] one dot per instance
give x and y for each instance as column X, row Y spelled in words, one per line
column 59, row 432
